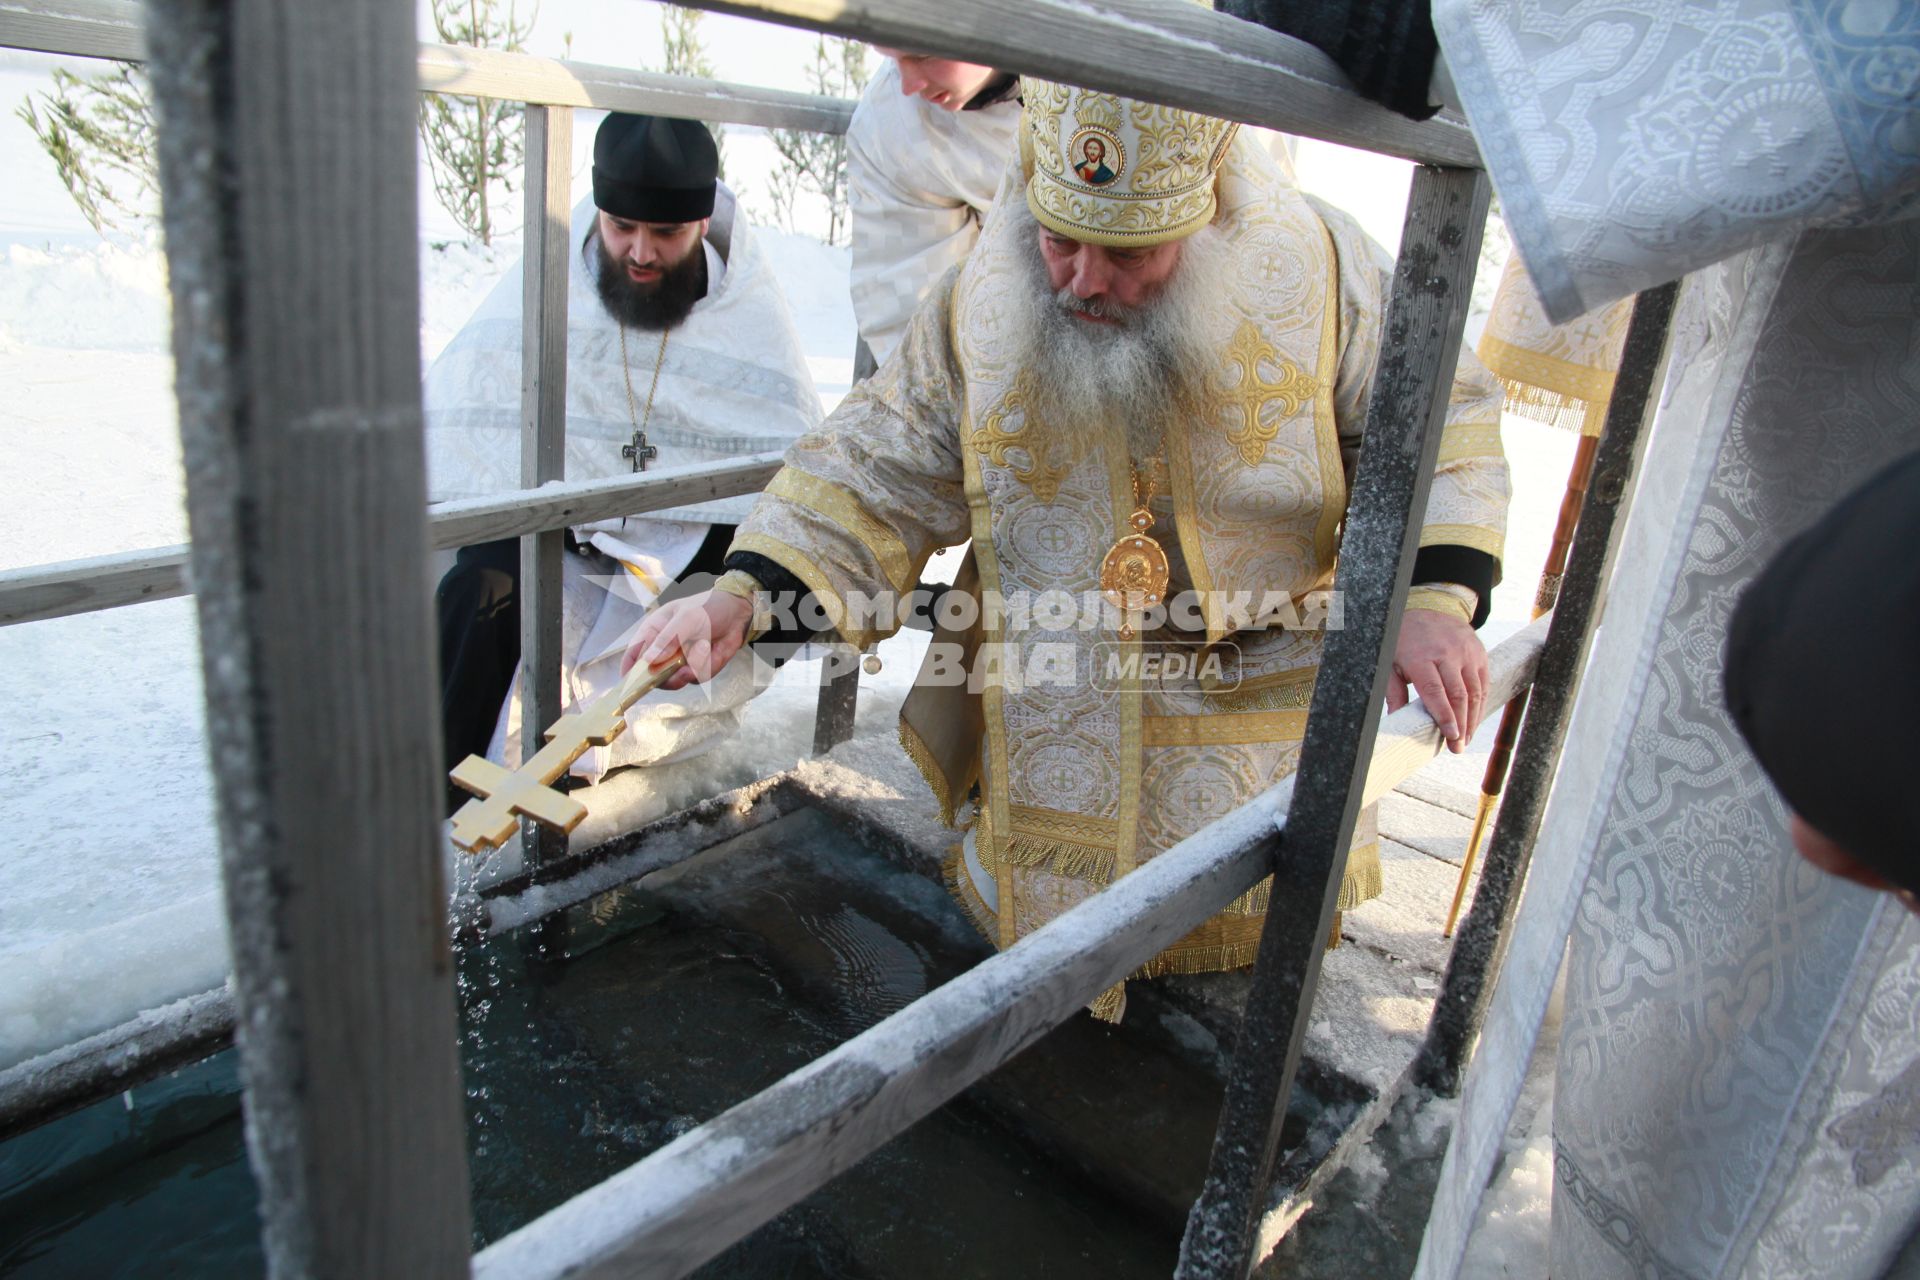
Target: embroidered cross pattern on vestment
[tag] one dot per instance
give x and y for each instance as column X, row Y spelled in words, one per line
column 1252, row 393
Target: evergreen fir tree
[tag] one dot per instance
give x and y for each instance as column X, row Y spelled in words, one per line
column 817, row 162
column 684, row 53
column 475, row 146
column 99, row 132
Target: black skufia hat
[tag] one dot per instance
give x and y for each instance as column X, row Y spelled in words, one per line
column 654, row 169
column 1823, row 672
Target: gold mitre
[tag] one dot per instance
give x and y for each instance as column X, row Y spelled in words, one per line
column 1110, row 170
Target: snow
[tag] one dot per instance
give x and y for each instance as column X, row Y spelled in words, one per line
column 109, row 901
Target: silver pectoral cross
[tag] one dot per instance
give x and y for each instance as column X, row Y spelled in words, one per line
column 640, row 452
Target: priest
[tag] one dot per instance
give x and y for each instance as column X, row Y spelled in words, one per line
column 926, row 148
column 1142, row 398
column 680, row 350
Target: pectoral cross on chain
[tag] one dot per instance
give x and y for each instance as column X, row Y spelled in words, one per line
column 640, row 452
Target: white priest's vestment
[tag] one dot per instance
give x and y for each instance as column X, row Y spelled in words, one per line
column 919, row 183
column 732, row 382
column 1738, row 1087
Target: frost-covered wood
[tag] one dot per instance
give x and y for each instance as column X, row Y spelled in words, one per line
column 1169, row 51
column 114, row 29
column 98, row 582
column 85, row 28
column 287, row 163
column 491, row 73
column 1426, row 312
column 107, row 582
column 691, row 1199
column 46, row 1087
column 548, row 186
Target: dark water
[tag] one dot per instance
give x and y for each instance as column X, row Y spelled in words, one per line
column 597, row 1037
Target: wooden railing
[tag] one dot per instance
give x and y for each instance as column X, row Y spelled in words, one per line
column 284, row 421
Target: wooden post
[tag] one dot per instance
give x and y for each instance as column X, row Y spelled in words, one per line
column 840, row 672
column 1426, row 311
column 839, row 698
column 543, row 432
column 1467, row 986
column 287, row 162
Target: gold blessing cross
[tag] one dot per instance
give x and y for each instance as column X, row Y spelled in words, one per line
column 489, row 821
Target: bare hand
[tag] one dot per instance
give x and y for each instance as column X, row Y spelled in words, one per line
column 708, row 628
column 1446, row 664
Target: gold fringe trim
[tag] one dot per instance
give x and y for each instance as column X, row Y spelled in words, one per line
column 1364, row 882
column 1061, row 857
column 1254, row 902
column 1279, row 691
column 1525, row 400
column 1215, row 958
column 1541, row 377
column 960, row 885
column 1110, row 1005
column 930, row 770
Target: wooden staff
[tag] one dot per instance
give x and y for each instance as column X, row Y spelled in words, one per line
column 1543, row 601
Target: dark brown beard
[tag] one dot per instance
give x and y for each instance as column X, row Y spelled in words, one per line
column 660, row 305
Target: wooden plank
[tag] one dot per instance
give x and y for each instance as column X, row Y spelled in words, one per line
column 1169, row 51
column 839, row 699
column 107, row 582
column 287, row 167
column 548, row 190
column 525, row 78
column 693, row 1198
column 114, row 29
column 92, row 1070
column 1426, row 313
column 100, row 582
column 458, row 524
column 82, row 28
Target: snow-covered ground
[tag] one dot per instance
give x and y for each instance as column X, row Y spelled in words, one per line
column 109, row 895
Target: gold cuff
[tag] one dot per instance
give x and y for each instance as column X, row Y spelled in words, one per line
column 738, row 582
column 1445, row 597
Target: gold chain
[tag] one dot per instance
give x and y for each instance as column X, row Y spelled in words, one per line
column 626, row 370
column 1153, row 479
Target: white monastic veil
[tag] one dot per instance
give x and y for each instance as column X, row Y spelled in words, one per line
column 733, row 381
column 1738, row 1085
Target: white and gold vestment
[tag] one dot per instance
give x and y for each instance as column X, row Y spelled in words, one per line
column 1082, row 779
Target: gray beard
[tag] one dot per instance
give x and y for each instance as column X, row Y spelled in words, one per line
column 1155, row 363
